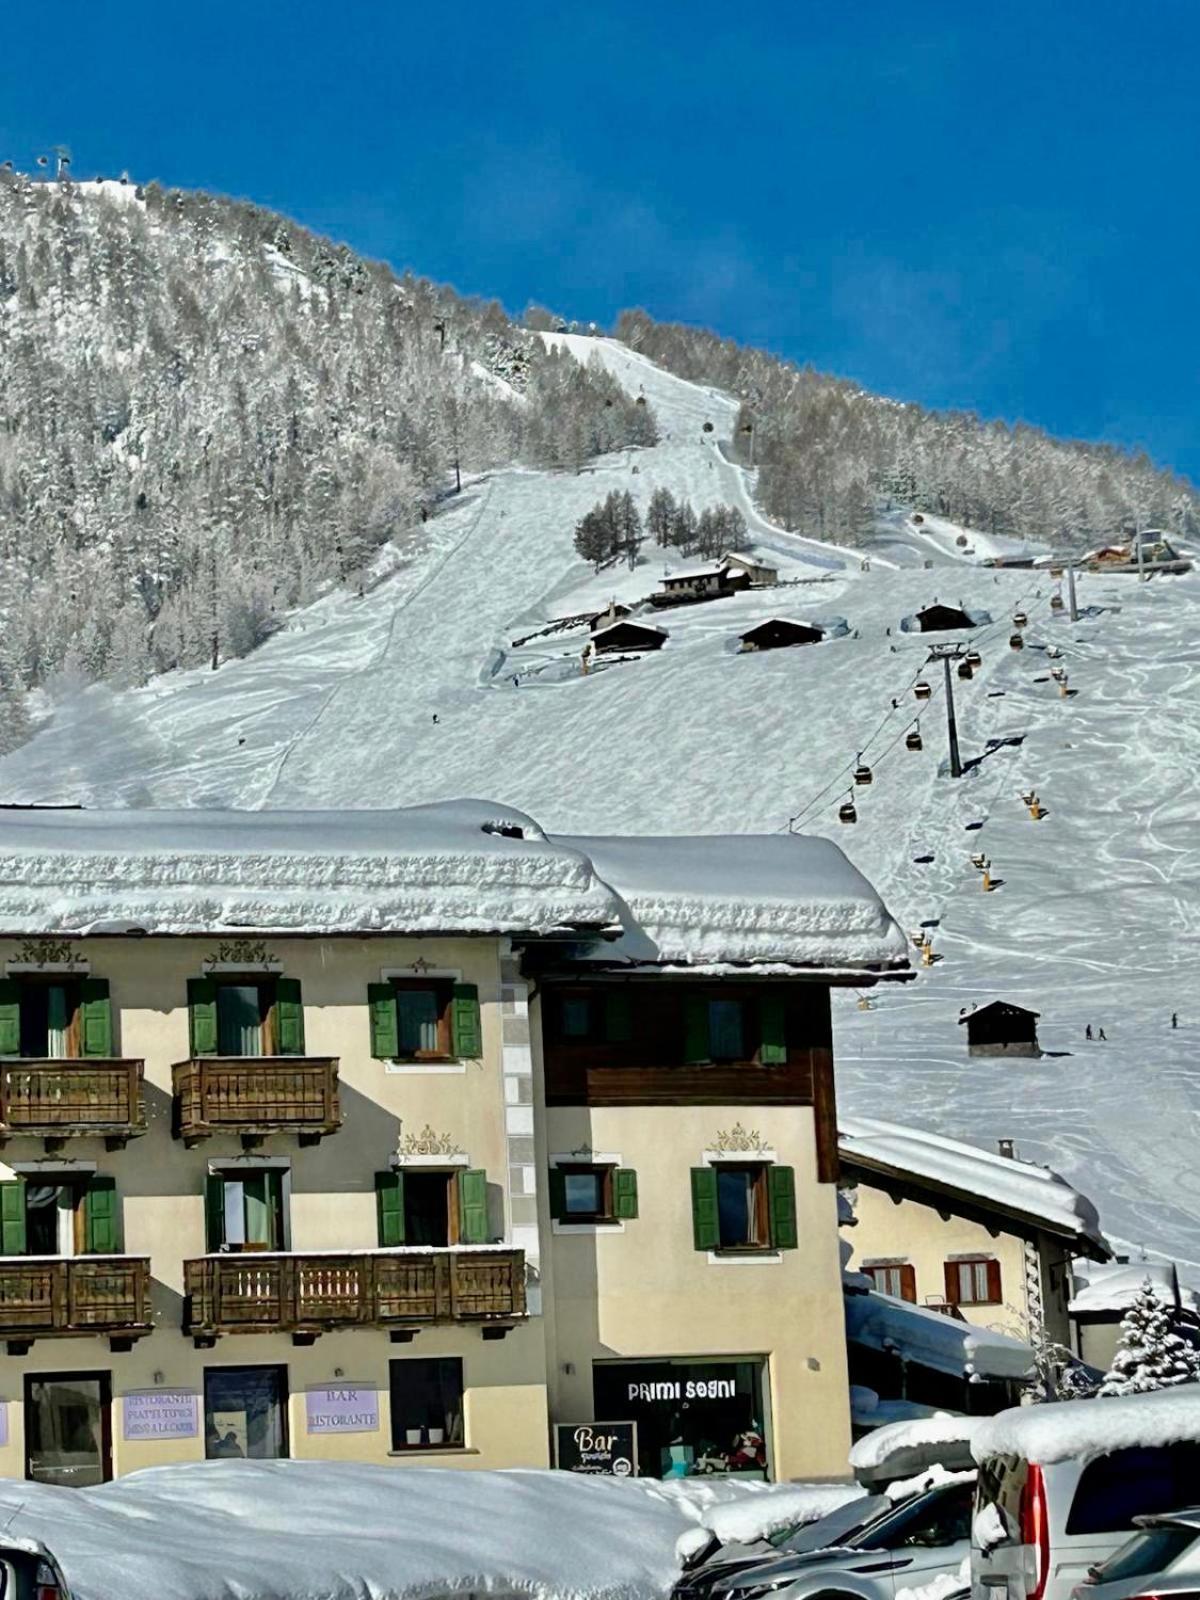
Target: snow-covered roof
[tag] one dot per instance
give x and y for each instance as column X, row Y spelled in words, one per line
column 881, row 1322
column 1069, row 1428
column 981, row 1178
column 623, row 622
column 720, row 900
column 997, row 1005
column 744, row 558
column 713, row 570
column 1113, row 1286
column 922, row 1435
column 788, row 622
column 437, row 868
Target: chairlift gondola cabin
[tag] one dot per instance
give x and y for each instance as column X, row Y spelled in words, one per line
column 913, row 740
column 641, row 400
column 1019, row 619
column 922, row 690
column 974, row 659
column 863, row 773
column 708, row 427
column 847, row 813
column 1056, row 602
column 1016, row 642
column 965, row 670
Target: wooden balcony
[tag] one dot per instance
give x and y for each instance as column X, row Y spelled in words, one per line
column 304, row 1295
column 256, row 1095
column 44, row 1297
column 56, row 1100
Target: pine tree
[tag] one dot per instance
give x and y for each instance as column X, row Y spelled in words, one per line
column 1152, row 1354
column 660, row 516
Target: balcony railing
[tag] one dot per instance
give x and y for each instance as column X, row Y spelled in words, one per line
column 52, row 1296
column 308, row 1294
column 256, row 1095
column 60, row 1099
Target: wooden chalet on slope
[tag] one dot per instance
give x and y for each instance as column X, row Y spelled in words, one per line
column 613, row 612
column 1001, row 1029
column 779, row 632
column 620, row 636
column 761, row 575
column 700, row 583
column 936, row 617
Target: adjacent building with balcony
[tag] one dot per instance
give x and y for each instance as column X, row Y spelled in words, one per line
column 399, row 1136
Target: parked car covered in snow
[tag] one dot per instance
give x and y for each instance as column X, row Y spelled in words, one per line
column 907, row 1546
column 1162, row 1558
column 723, row 1561
column 1061, row 1486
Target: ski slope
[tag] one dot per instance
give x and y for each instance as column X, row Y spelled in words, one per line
column 415, row 692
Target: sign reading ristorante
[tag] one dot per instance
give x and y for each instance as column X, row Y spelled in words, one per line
column 596, row 1447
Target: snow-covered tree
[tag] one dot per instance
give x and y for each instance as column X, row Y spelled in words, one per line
column 1152, row 1353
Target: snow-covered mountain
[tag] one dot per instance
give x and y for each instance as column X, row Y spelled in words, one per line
column 414, row 691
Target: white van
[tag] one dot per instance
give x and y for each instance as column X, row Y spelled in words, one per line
column 1060, row 1485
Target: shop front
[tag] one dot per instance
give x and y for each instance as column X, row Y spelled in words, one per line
column 693, row 1416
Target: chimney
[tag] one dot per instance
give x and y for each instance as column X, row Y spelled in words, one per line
column 1007, row 1147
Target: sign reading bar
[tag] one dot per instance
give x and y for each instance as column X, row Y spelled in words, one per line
column 344, row 1409
column 162, row 1414
column 596, row 1447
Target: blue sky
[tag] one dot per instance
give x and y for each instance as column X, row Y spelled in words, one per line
column 979, row 204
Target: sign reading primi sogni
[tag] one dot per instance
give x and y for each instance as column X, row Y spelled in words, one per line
column 596, row 1447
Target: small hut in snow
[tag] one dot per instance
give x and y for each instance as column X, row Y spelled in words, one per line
column 700, row 583
column 938, row 617
column 760, row 574
column 778, row 632
column 1001, row 1029
column 618, row 637
column 611, row 613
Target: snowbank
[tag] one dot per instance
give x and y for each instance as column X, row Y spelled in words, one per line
column 732, row 899
column 898, row 1439
column 931, row 1340
column 1116, row 1286
column 1089, row 1428
column 298, row 1530
column 1032, row 1192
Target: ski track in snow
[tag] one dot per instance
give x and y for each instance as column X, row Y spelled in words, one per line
column 1095, row 920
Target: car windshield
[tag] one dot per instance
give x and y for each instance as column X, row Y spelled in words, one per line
column 1152, row 1550
column 941, row 1518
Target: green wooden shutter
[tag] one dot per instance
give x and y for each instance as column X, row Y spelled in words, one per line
column 389, row 1200
column 772, row 1026
column 10, row 1017
column 202, row 1016
column 466, row 1035
column 385, row 1021
column 101, row 1217
column 781, row 1201
column 706, row 1227
column 95, row 1018
column 618, row 1017
column 625, row 1204
column 473, row 1207
column 289, row 1017
column 12, row 1218
column 214, row 1211
column 558, row 1193
column 696, row 1045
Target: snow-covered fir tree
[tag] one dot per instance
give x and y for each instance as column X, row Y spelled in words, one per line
column 1152, row 1353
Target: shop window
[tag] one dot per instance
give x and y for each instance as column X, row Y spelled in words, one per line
column 973, row 1281
column 424, row 1020
column 694, row 1417
column 245, row 1413
column 55, row 1019
column 427, row 1403
column 721, row 1030
column 584, row 1192
column 57, row 1215
column 739, row 1207
column 897, row 1278
column 244, row 1209
column 420, row 1206
column 245, row 1016
column 67, row 1428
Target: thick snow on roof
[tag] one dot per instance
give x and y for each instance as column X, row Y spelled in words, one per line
column 437, row 868
column 983, row 1176
column 942, row 1343
column 278, row 1530
column 919, row 1433
column 1088, row 1428
column 1114, row 1286
column 729, row 899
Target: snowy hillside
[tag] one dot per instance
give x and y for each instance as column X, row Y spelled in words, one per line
column 415, row 692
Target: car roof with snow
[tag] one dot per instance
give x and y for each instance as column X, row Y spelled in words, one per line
column 1068, row 1429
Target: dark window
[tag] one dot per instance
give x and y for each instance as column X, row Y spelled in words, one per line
column 897, row 1278
column 427, row 1403
column 576, row 1015
column 423, row 1020
column 1125, row 1484
column 246, row 1210
column 726, row 1030
column 973, row 1282
column 587, row 1193
column 242, row 1012
column 742, row 1207
column 245, row 1413
column 67, row 1438
column 428, row 1203
column 49, row 1019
